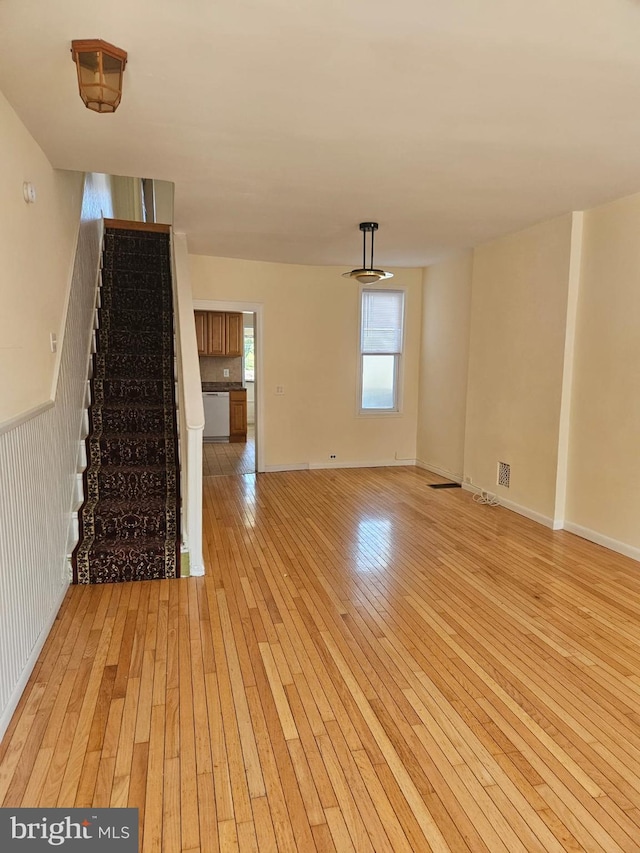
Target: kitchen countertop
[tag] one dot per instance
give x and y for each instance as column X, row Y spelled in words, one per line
column 222, row 386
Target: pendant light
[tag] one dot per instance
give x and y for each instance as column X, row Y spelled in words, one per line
column 367, row 274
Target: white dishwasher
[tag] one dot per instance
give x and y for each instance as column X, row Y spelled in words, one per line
column 216, row 415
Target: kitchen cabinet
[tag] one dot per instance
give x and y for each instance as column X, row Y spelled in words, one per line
column 219, row 333
column 201, row 331
column 234, row 334
column 216, row 335
column 238, row 415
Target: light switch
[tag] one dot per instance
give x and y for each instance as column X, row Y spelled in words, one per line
column 53, row 341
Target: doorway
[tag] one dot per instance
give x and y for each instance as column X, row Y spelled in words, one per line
column 238, row 457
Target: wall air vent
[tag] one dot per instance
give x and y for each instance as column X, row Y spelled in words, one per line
column 504, row 474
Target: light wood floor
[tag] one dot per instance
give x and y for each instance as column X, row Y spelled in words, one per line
column 223, row 458
column 370, row 664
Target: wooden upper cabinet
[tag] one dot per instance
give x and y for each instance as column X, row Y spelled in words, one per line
column 235, row 334
column 219, row 333
column 217, row 336
column 202, row 332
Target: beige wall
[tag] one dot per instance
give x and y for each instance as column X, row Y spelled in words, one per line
column 446, row 310
column 604, row 457
column 310, row 347
column 516, row 359
column 37, row 244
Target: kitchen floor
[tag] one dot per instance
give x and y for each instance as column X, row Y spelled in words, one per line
column 225, row 458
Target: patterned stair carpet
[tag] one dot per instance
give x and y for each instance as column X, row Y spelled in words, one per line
column 129, row 521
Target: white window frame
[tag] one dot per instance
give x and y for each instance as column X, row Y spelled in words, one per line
column 397, row 380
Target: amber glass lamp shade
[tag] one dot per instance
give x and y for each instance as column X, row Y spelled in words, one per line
column 100, row 68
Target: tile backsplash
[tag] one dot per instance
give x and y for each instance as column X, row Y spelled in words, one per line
column 212, row 369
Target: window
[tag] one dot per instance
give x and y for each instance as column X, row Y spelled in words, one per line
column 249, row 354
column 381, row 333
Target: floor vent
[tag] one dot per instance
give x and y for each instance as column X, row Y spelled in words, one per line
column 504, row 474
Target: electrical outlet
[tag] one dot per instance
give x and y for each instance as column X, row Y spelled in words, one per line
column 279, row 390
column 468, row 480
column 225, row 372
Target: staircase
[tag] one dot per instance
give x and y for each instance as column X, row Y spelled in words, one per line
column 129, row 521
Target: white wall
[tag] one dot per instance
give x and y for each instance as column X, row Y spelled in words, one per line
column 37, row 244
column 310, row 347
column 516, row 360
column 446, row 315
column 603, row 498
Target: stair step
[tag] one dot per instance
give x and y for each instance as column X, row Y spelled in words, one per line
column 123, row 450
column 130, row 366
column 124, row 341
column 134, row 297
column 149, row 391
column 116, row 520
column 127, row 418
column 130, row 482
column 132, row 262
column 132, row 242
column 150, row 316
column 145, row 559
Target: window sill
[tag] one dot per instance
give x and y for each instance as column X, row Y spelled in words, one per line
column 379, row 413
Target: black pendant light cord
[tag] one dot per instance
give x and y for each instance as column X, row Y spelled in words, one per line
column 366, row 229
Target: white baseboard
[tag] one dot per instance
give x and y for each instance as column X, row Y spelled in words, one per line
column 605, row 541
column 441, row 472
column 388, row 463
column 293, row 466
column 545, row 520
column 18, row 690
column 318, row 466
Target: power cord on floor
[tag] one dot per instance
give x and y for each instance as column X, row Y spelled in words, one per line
column 486, row 498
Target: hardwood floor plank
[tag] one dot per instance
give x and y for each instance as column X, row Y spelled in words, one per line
column 151, row 800
column 188, row 767
column 276, row 800
column 255, row 780
column 89, row 778
column 171, row 817
column 264, row 828
column 209, row 841
column 287, row 722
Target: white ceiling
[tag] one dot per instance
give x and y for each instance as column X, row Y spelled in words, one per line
column 284, row 123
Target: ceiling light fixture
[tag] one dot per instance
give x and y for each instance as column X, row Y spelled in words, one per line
column 100, row 69
column 367, row 274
